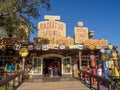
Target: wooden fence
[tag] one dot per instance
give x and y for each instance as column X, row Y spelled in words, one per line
column 89, row 82
column 11, row 80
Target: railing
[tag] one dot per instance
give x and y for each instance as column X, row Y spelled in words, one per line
column 98, row 79
column 11, row 80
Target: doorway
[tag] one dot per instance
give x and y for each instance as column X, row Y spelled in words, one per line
column 51, row 61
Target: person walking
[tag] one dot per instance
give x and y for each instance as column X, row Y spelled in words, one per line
column 55, row 70
column 100, row 73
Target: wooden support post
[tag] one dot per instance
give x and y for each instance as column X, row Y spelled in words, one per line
column 80, row 60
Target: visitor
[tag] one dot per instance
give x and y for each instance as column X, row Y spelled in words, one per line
column 55, row 70
column 20, row 65
column 27, row 67
column 86, row 76
column 100, row 73
column 99, row 70
column 50, row 70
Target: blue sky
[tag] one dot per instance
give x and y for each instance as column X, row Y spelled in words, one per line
column 102, row 16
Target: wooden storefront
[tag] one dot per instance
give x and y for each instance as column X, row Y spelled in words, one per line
column 69, row 61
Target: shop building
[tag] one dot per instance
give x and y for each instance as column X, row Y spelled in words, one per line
column 69, row 53
column 53, row 47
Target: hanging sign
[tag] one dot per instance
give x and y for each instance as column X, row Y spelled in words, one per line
column 17, row 46
column 55, row 46
column 92, row 47
column 73, row 47
column 45, row 47
column 30, row 47
column 37, row 47
column 62, row 46
column 23, row 52
column 80, row 46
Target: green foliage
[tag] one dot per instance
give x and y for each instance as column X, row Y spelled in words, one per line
column 12, row 11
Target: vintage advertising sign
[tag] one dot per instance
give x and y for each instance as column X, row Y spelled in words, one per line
column 17, row 46
column 51, row 28
column 65, row 41
column 57, row 41
column 62, row 46
column 76, row 46
column 94, row 42
column 81, row 37
column 45, row 47
column 23, row 52
column 53, row 46
column 80, row 33
column 92, row 47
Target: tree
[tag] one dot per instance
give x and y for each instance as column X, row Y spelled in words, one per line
column 12, row 12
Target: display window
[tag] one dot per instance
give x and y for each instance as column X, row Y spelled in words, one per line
column 37, row 65
column 66, row 65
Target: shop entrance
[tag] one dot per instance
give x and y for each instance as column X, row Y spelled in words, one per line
column 51, row 61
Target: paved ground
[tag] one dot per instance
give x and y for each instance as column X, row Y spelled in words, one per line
column 66, row 85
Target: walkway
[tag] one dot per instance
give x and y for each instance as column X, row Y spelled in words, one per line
column 55, row 84
column 59, row 85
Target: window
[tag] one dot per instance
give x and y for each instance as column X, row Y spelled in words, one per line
column 66, row 65
column 37, row 65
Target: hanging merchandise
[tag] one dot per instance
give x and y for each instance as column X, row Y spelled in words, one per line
column 119, row 60
column 92, row 60
column 116, row 73
column 105, row 73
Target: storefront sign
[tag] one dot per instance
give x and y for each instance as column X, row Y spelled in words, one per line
column 65, row 41
column 78, row 46
column 80, row 33
column 51, row 28
column 52, row 46
column 73, row 47
column 99, row 43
